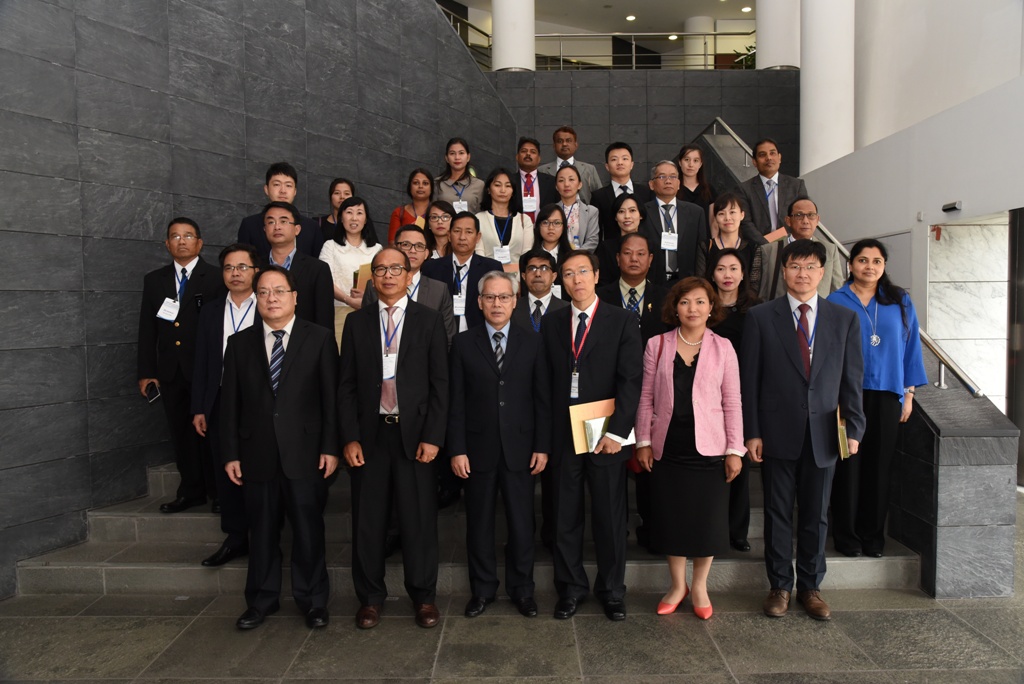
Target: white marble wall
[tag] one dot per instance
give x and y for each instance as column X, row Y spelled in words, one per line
column 967, row 301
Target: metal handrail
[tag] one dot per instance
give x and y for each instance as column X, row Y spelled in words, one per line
column 456, row 19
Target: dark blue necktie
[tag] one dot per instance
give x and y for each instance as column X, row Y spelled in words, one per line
column 499, row 354
column 276, row 359
column 182, row 284
column 581, row 330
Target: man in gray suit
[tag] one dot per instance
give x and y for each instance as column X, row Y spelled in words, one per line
column 769, row 193
column 801, row 360
column 801, row 222
column 565, row 143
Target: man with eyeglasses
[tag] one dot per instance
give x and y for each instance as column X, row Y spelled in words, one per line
column 769, row 193
column 282, row 185
column 800, row 361
column 538, row 269
column 393, row 403
column 499, row 437
column 313, row 281
column 802, row 219
column 594, row 353
column 675, row 229
column 280, row 444
column 172, row 297
column 219, row 320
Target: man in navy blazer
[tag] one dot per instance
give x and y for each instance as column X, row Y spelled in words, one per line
column 800, row 361
column 538, row 270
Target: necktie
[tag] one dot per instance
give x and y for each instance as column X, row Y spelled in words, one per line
column 581, row 330
column 801, row 334
column 670, row 255
column 276, row 359
column 773, row 203
column 499, row 355
column 528, row 192
column 565, row 162
column 388, row 391
column 537, row 314
column 182, row 283
column 458, row 278
column 633, row 303
column 621, row 189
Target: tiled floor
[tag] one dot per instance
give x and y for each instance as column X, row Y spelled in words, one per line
column 874, row 636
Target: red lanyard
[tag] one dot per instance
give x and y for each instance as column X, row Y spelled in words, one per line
column 583, row 342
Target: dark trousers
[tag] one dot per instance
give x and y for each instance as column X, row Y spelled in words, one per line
column 233, row 521
column 548, row 494
column 303, row 501
column 608, row 519
column 860, row 493
column 802, row 482
column 389, row 476
column 739, row 503
column 176, row 396
column 516, row 489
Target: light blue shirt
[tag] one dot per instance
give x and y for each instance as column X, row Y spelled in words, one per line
column 503, row 331
column 287, row 265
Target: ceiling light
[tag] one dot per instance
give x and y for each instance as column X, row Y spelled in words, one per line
column 631, row 18
column 673, row 37
column 745, row 9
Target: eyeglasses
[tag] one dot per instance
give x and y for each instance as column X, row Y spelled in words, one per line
column 407, row 246
column 278, row 292
column 551, row 224
column 543, row 268
column 664, row 178
column 566, row 275
column 439, row 218
column 381, row 271
column 241, row 268
column 503, row 298
column 178, row 238
column 270, row 223
column 809, row 216
column 811, row 269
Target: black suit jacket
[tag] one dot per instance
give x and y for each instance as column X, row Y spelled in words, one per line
column 650, row 308
column 421, row 378
column 523, row 316
column 691, row 223
column 611, row 367
column 165, row 347
column 309, row 240
column 442, row 269
column 432, row 294
column 778, row 397
column 604, row 197
column 209, row 360
column 492, row 412
column 759, row 219
column 545, row 185
column 315, row 286
column 293, row 428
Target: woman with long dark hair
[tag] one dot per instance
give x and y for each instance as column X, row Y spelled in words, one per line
column 893, row 368
column 505, row 234
column 693, row 186
column 339, row 191
column 457, row 184
column 354, row 245
column 439, row 221
column 729, row 215
column 420, row 189
column 628, row 213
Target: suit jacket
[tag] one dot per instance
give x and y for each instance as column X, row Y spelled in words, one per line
column 165, row 347
column 209, row 363
column 650, row 309
column 432, row 294
column 545, row 184
column 293, row 428
column 835, row 270
column 309, row 240
column 604, row 197
column 421, row 379
column 692, row 225
column 315, row 286
column 442, row 270
column 590, row 225
column 496, row 413
column 758, row 215
column 523, row 316
column 588, row 176
column 611, row 367
column 778, row 398
column 718, row 416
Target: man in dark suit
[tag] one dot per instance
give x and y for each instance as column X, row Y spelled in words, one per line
column 565, row 143
column 219, row 320
column 675, row 228
column 769, row 193
column 618, row 160
column 281, row 186
column 499, row 435
column 172, row 297
column 594, row 353
column 538, row 270
column 312, row 277
column 800, row 360
column 280, row 443
column 533, row 189
column 463, row 270
column 393, row 398
column 633, row 291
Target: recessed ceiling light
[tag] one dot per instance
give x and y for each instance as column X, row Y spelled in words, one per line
column 673, row 37
column 631, row 18
column 745, row 9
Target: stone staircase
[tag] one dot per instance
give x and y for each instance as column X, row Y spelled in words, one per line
column 135, row 549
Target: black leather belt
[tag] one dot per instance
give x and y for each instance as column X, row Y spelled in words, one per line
column 389, row 418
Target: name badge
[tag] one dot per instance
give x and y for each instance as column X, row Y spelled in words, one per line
column 168, row 310
column 461, row 205
column 574, row 386
column 529, row 204
column 390, row 363
column 503, row 255
column 670, row 241
column 556, row 291
column 459, row 305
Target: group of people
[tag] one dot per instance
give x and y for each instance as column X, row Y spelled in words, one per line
column 719, row 332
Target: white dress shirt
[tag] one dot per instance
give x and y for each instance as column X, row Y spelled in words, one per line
column 463, row 326
column 268, row 337
column 238, row 318
column 189, row 267
column 618, row 188
column 545, row 302
column 812, row 316
column 399, row 318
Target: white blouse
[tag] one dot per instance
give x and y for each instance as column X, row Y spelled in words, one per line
column 344, row 261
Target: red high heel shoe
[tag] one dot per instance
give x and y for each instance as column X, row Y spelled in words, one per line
column 702, row 613
column 669, row 608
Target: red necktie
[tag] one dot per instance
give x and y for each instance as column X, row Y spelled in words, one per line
column 801, row 334
column 528, row 192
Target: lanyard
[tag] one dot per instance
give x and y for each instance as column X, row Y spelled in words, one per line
column 721, row 245
column 814, row 331
column 384, row 329
column 459, row 281
column 231, row 309
column 504, row 231
column 583, row 342
column 672, row 216
column 768, row 193
column 455, row 189
column 412, row 295
column 639, row 302
column 178, row 281
column 528, row 184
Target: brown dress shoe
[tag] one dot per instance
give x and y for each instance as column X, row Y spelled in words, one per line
column 368, row 616
column 777, row 603
column 814, row 604
column 427, row 615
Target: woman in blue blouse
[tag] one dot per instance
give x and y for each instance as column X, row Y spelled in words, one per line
column 893, row 367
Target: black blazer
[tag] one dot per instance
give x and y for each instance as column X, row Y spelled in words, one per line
column 209, row 362
column 779, row 399
column 691, row 224
column 293, row 428
column 432, row 294
column 421, row 378
column 165, row 347
column 309, row 240
column 442, row 269
column 758, row 221
column 611, row 367
column 650, row 309
column 315, row 286
column 493, row 412
column 548, row 193
column 604, row 197
column 523, row 316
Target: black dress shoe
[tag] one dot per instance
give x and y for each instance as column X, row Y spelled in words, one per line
column 317, row 618
column 182, row 503
column 215, row 507
column 615, row 610
column 850, row 553
column 566, row 608
column 253, row 617
column 447, row 497
column 740, row 544
column 527, row 606
column 873, row 554
column 477, row 605
column 225, row 554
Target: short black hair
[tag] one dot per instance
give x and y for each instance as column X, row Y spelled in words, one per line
column 801, row 249
column 287, row 206
column 621, row 199
column 765, row 141
column 274, row 268
column 188, row 222
column 634, row 236
column 617, row 146
column 789, row 209
column 405, row 257
column 466, row 214
column 284, row 169
column 254, row 257
column 536, row 253
column 594, row 262
column 411, row 228
column 526, row 139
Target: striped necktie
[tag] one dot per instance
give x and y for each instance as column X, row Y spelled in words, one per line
column 276, row 359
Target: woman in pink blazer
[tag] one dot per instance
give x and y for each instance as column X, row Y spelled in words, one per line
column 689, row 431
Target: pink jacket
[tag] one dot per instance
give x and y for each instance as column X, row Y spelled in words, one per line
column 716, row 396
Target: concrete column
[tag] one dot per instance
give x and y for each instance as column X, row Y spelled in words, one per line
column 778, row 33
column 826, row 82
column 513, row 33
column 694, row 47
